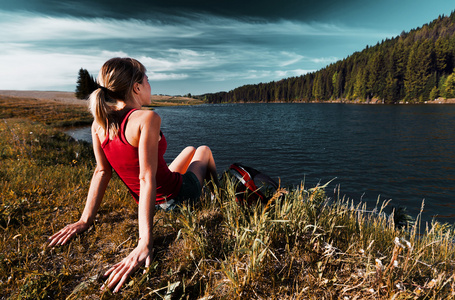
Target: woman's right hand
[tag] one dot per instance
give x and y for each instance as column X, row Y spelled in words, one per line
column 67, row 233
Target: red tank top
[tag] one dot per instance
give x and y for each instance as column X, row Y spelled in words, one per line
column 124, row 159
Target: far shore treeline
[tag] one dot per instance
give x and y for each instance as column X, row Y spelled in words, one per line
column 414, row 67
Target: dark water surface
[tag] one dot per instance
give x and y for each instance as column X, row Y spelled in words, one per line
column 401, row 152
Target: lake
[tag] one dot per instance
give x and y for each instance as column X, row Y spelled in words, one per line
column 401, row 152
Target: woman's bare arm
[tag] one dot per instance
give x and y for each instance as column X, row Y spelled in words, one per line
column 100, row 179
column 148, row 162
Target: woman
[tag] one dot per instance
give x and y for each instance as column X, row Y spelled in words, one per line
column 130, row 141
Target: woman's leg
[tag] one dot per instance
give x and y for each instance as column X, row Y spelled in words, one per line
column 182, row 161
column 203, row 165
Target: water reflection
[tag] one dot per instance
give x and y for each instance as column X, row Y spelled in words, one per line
column 80, row 133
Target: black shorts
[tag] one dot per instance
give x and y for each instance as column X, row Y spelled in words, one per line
column 190, row 190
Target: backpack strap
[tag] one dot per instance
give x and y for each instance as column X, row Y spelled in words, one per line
column 247, row 176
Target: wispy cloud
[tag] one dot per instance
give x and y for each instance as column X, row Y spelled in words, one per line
column 323, row 60
column 292, row 58
column 180, row 59
column 37, row 27
column 43, row 52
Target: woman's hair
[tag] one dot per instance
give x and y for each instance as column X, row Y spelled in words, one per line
column 116, row 80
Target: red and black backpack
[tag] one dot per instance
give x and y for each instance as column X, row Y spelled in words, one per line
column 251, row 185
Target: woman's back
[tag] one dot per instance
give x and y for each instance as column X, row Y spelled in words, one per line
column 133, row 125
column 123, row 154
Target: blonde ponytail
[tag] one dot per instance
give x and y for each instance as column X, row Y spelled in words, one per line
column 116, row 79
column 99, row 108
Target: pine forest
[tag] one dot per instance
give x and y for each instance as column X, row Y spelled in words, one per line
column 413, row 67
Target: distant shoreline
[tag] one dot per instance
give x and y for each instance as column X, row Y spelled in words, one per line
column 163, row 100
column 377, row 101
column 371, row 102
column 70, row 98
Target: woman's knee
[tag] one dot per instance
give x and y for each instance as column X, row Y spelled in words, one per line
column 182, row 161
column 204, row 150
column 189, row 149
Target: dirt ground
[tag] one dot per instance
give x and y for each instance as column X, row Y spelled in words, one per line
column 69, row 97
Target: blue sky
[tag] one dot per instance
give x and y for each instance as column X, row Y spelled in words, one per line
column 194, row 46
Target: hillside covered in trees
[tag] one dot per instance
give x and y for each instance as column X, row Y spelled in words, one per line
column 416, row 66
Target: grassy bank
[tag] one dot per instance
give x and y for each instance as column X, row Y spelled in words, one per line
column 55, row 113
column 158, row 100
column 300, row 246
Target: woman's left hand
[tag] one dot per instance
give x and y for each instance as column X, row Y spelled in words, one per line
column 119, row 273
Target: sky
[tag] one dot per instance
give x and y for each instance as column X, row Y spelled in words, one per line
column 196, row 46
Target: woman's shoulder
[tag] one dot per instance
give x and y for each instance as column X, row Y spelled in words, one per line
column 96, row 127
column 98, row 132
column 145, row 117
column 141, row 121
column 145, row 114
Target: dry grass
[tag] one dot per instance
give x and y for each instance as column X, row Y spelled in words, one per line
column 158, row 100
column 301, row 245
column 51, row 112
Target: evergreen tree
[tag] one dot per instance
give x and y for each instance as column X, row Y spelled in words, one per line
column 359, row 86
column 85, row 84
column 318, row 87
column 449, row 86
column 391, row 89
column 410, row 82
column 434, row 94
column 442, row 55
column 419, row 71
column 335, row 85
column 340, row 82
column 398, row 69
column 377, row 76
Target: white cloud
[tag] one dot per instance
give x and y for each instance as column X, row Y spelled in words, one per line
column 258, row 75
column 42, row 52
column 35, row 27
column 154, row 76
column 323, row 60
column 28, row 27
column 292, row 58
column 32, row 70
column 180, row 59
column 259, row 27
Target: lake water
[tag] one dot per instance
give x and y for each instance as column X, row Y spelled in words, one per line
column 401, row 152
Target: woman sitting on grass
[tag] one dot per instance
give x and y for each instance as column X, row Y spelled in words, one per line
column 130, row 141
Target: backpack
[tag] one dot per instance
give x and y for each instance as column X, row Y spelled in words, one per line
column 251, row 185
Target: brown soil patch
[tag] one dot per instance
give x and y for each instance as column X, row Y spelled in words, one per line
column 442, row 101
column 70, row 98
column 67, row 97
